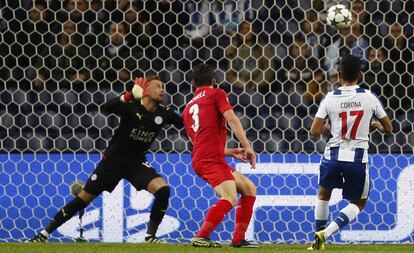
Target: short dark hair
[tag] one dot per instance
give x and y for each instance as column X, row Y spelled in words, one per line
column 350, row 68
column 203, row 74
column 40, row 2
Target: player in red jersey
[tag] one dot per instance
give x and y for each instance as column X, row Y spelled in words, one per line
column 205, row 118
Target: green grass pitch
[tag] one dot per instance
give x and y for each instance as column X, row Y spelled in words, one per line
column 182, row 248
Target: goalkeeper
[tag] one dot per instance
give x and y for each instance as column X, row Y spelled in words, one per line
column 142, row 118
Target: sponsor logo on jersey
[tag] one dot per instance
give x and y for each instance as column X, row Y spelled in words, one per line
column 139, row 115
column 142, row 135
column 158, row 120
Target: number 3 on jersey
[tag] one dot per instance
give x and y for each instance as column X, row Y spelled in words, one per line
column 194, row 109
column 344, row 117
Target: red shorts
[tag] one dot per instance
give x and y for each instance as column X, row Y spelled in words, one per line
column 213, row 172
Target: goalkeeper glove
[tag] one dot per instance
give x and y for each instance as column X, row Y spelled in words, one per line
column 137, row 92
column 140, row 85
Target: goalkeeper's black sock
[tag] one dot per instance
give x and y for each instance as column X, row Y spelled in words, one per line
column 159, row 207
column 66, row 213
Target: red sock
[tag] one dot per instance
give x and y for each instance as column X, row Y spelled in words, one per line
column 214, row 217
column 244, row 213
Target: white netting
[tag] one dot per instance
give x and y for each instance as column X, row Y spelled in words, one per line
column 61, row 60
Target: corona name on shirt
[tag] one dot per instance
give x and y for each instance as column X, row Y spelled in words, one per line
column 350, row 104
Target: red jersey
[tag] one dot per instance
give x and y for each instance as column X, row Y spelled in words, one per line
column 205, row 124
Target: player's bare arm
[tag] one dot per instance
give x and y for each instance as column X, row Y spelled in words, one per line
column 383, row 125
column 318, row 126
column 238, row 130
column 238, row 153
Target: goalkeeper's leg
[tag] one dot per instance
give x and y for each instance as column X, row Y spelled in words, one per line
column 144, row 177
column 161, row 191
column 81, row 201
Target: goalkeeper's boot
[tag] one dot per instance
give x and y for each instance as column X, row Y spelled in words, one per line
column 204, row 242
column 154, row 239
column 38, row 238
column 245, row 244
column 319, row 242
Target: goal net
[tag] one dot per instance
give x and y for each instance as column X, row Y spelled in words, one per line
column 61, row 60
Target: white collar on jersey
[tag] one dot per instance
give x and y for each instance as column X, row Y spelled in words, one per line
column 353, row 87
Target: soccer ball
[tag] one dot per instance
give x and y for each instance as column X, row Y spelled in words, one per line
column 339, row 16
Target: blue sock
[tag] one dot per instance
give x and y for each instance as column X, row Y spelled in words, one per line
column 320, row 225
column 346, row 215
column 341, row 220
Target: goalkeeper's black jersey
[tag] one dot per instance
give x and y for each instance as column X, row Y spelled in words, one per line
column 137, row 130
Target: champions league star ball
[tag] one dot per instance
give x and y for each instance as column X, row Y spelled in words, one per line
column 339, row 16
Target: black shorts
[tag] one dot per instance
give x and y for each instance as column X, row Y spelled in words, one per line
column 108, row 174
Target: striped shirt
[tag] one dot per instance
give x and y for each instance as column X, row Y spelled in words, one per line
column 349, row 110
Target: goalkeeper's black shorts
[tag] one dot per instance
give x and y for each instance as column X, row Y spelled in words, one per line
column 108, row 174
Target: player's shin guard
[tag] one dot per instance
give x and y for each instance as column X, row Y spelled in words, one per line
column 321, row 214
column 214, row 217
column 158, row 209
column 66, row 213
column 346, row 215
column 244, row 213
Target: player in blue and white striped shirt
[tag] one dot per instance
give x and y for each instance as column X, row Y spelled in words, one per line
column 349, row 110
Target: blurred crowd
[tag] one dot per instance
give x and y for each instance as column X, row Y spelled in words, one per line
column 60, row 60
